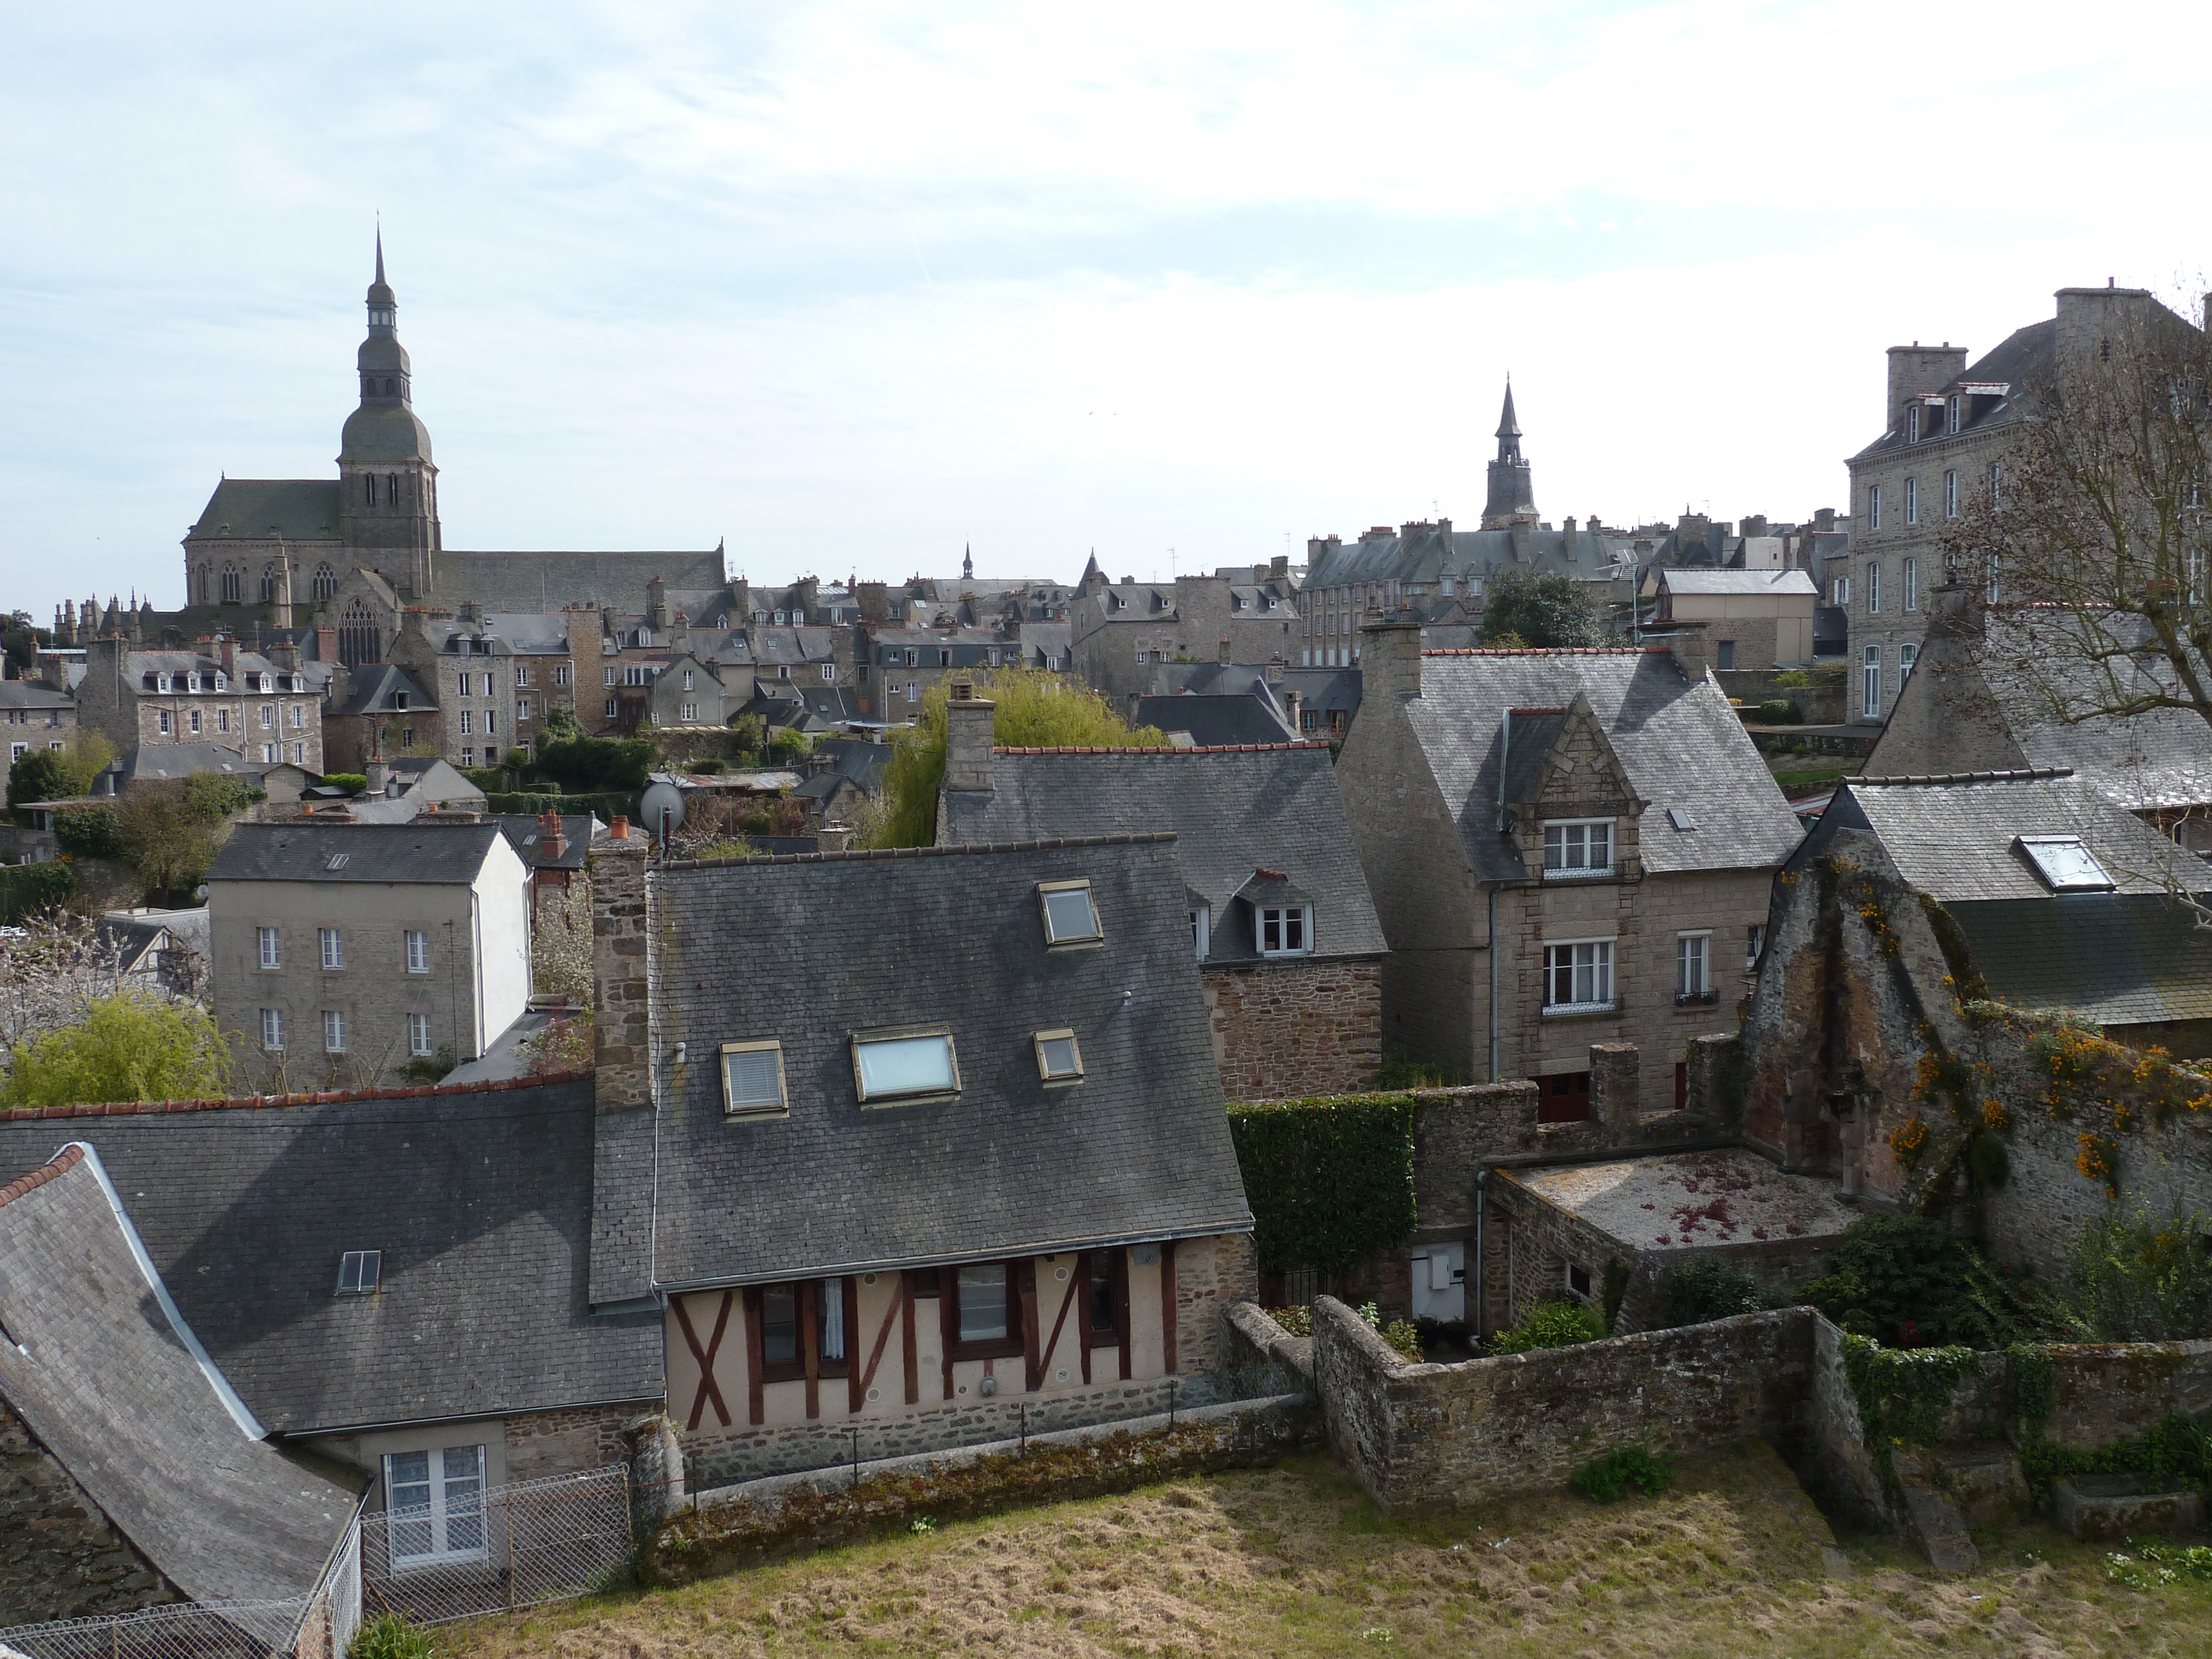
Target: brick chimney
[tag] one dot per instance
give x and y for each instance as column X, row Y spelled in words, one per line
column 552, row 839
column 622, row 1032
column 969, row 725
column 229, row 649
column 326, row 643
column 1390, row 655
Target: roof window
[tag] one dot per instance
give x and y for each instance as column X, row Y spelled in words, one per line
column 752, row 1079
column 2065, row 865
column 338, row 861
column 1070, row 918
column 1059, row 1059
column 1680, row 818
column 906, row 1063
column 359, row 1272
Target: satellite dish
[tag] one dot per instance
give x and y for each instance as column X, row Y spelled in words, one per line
column 658, row 800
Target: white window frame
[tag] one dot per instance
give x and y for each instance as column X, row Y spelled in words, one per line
column 1283, row 922
column 1754, row 941
column 690, row 678
column 1873, row 588
column 329, row 945
column 1913, row 585
column 334, row 1031
column 272, row 1030
column 1201, row 929
column 1912, row 500
column 416, row 944
column 1599, row 966
column 828, row 671
column 439, row 1514
column 418, row 1035
column 1907, row 654
column 1870, row 682
column 1693, row 965
column 1586, row 870
column 1873, row 507
column 780, row 1106
column 1950, row 493
column 269, row 944
column 688, row 713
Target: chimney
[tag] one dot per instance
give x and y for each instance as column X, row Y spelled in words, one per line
column 326, row 643
column 552, row 840
column 1390, row 655
column 833, row 837
column 1275, row 668
column 1687, row 640
column 622, row 1069
column 1291, row 703
column 379, row 777
column 1824, row 520
column 1614, row 1100
column 229, row 648
column 968, row 724
column 1754, row 524
column 1279, row 566
column 656, row 605
column 873, row 601
column 1224, row 656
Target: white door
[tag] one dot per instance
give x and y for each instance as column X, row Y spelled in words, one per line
column 1440, row 1282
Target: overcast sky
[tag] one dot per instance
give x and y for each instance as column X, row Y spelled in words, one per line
column 853, row 286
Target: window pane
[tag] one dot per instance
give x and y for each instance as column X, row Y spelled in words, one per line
column 983, row 1302
column 1068, row 914
column 463, row 1472
column 902, row 1065
column 1059, row 1056
column 1102, row 1290
column 755, row 1078
column 780, row 1325
column 831, row 1299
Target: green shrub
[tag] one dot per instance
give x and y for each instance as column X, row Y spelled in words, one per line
column 1909, row 1283
column 389, row 1636
column 1602, row 1479
column 2173, row 1453
column 27, row 889
column 1553, row 1325
column 1297, row 1321
column 88, row 832
column 2140, row 1278
column 39, row 775
column 1330, row 1181
column 1710, row 1287
column 2151, row 1563
column 1793, row 679
column 1400, row 1070
column 1780, row 711
column 706, row 768
column 595, row 765
column 489, row 779
column 129, row 1045
column 1400, row 1334
column 352, row 782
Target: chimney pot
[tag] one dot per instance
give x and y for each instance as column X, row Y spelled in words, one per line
column 620, row 831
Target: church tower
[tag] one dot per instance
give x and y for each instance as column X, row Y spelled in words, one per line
column 387, row 485
column 1512, row 494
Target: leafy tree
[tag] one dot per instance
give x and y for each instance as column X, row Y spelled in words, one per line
column 1544, row 609
column 560, row 725
column 129, row 1045
column 1036, row 709
column 171, row 828
column 585, row 766
column 21, row 642
column 2140, row 1278
column 1710, row 1287
column 39, row 775
column 88, row 832
column 787, row 746
column 211, row 797
column 1908, row 1282
column 751, row 732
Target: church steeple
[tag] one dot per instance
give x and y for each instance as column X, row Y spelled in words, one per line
column 1512, row 497
column 388, row 494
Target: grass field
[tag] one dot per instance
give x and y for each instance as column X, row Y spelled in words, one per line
column 1293, row 1561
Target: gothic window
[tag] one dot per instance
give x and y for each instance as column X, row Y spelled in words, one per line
column 392, row 487
column 359, row 640
column 326, row 583
column 268, row 584
column 369, row 483
column 232, row 585
column 391, row 388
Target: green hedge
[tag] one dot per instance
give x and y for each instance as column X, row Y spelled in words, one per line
column 1330, row 1181
column 27, row 889
column 609, row 806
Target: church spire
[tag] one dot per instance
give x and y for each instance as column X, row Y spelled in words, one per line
column 1508, row 425
column 967, row 561
column 1512, row 498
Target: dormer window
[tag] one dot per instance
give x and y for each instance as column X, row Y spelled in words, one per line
column 1201, row 929
column 191, row 681
column 905, row 1064
column 1286, row 930
column 359, row 1272
column 1070, row 917
column 752, row 1079
column 1059, row 1058
column 161, row 682
column 1577, row 848
column 221, row 683
column 1913, row 424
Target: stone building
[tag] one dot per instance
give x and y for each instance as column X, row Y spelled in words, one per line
column 924, row 1146
column 269, row 706
column 34, row 715
column 1564, row 847
column 1754, row 619
column 1947, row 426
column 492, row 677
column 1290, row 953
column 902, row 664
column 1120, row 632
column 343, row 953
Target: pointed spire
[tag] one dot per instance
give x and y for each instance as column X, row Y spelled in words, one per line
column 1507, row 426
column 380, row 247
column 967, row 561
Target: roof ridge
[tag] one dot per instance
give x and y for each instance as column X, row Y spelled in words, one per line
column 859, row 854
column 2017, row 775
column 1166, row 748
column 62, row 1162
column 287, row 1103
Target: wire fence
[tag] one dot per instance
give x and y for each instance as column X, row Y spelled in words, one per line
column 185, row 1630
column 515, row 1546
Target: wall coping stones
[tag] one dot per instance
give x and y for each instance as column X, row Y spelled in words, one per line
column 288, row 1103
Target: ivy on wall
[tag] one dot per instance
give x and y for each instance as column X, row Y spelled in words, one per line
column 1330, row 1181
column 27, row 889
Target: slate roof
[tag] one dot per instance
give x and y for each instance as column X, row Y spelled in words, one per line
column 1758, row 583
column 181, row 760
column 32, row 693
column 419, row 851
column 375, row 688
column 1217, row 722
column 2116, row 959
column 532, row 582
column 1677, row 739
column 105, row 1371
column 2024, row 361
column 1232, row 812
column 809, row 950
column 247, row 509
column 863, row 763
column 1426, row 553
column 479, row 1198
column 1954, row 840
column 525, row 833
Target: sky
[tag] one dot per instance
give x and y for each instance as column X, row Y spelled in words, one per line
column 853, row 288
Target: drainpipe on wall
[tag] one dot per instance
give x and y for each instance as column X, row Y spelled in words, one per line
column 1481, row 1200
column 1493, row 983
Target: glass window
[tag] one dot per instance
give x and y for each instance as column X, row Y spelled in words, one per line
column 1754, row 941
column 752, row 1078
column 1906, row 656
column 1058, row 1058
column 1912, row 500
column 1913, row 584
column 418, row 1034
column 897, row 1066
column 1873, row 507
column 1104, row 1315
column 983, row 1292
column 1691, row 954
column 1872, row 588
column 829, row 1321
column 1870, row 678
column 780, row 1325
column 272, row 1030
column 333, row 943
column 1283, row 929
column 2064, row 864
column 1070, row 918
column 272, row 947
column 1579, row 975
column 436, row 1499
column 1578, row 848
column 333, row 1031
column 1951, row 494
column 359, row 1271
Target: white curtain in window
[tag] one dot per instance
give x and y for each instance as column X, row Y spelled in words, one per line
column 901, row 1066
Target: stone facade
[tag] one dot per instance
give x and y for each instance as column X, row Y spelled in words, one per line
column 209, row 693
column 622, row 1027
column 1283, row 1031
column 1119, row 632
column 60, row 1555
column 540, row 1444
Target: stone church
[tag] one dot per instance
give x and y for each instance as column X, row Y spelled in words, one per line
column 355, row 551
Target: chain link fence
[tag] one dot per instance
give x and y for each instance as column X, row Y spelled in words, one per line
column 514, row 1546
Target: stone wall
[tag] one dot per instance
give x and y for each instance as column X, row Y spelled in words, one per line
column 1285, row 1032
column 622, row 1030
column 1462, row 1433
column 543, row 1444
column 60, row 1556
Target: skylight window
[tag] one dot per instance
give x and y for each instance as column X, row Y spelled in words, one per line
column 359, row 1272
column 1059, row 1059
column 752, row 1078
column 338, row 861
column 1070, row 918
column 2065, row 865
column 905, row 1065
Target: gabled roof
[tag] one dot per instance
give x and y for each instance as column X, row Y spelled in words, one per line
column 34, row 694
column 1677, row 741
column 249, row 510
column 525, row 833
column 2116, row 958
column 1771, row 583
column 422, row 851
column 377, row 687
column 1214, row 722
column 1232, row 812
column 534, row 582
column 808, row 951
column 106, row 1370
column 480, row 1200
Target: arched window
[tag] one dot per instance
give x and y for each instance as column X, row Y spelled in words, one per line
column 326, row 584
column 268, row 584
column 232, row 585
column 368, row 484
column 391, row 388
column 203, row 584
column 392, row 487
column 368, row 385
column 359, row 640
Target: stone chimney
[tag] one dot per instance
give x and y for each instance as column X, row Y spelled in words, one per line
column 1390, row 655
column 285, row 655
column 326, row 643
column 1291, row 703
column 1824, row 520
column 621, row 1072
column 1223, row 655
column 1692, row 651
column 1275, row 668
column 229, row 646
column 1280, row 567
column 1754, row 524
column 968, row 724
column 833, row 837
column 379, row 777
column 873, row 602
column 656, row 605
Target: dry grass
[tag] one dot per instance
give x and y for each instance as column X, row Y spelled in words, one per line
column 1292, row 1561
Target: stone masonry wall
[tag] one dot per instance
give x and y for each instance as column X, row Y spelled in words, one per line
column 622, row 995
column 1283, row 1032
column 60, row 1556
column 1429, row 1434
column 543, row 1444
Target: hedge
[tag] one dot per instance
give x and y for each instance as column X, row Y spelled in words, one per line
column 1330, row 1181
column 27, row 889
column 608, row 807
